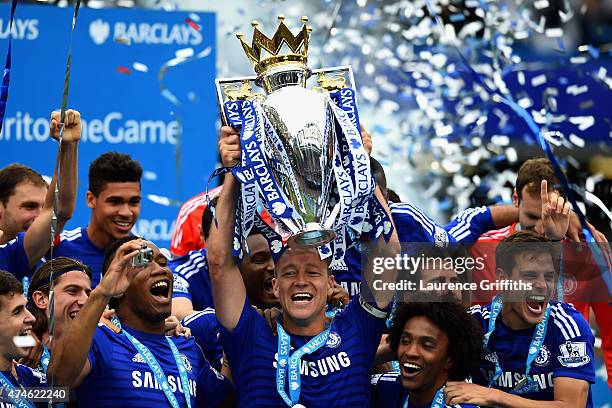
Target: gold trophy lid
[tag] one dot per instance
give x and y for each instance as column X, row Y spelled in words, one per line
column 297, row 45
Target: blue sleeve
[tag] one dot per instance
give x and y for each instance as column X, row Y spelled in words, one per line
column 29, row 377
column 370, row 327
column 180, row 287
column 237, row 343
column 206, row 331
column 470, row 224
column 574, row 346
column 13, row 257
column 100, row 349
column 213, row 388
column 412, row 224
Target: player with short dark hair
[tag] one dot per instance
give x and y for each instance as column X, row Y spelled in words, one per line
column 331, row 362
column 537, row 185
column 140, row 366
column 114, row 200
column 537, row 353
column 15, row 321
column 433, row 343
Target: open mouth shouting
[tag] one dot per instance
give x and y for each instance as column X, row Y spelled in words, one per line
column 536, row 304
column 302, row 298
column 161, row 290
column 72, row 314
column 410, row 370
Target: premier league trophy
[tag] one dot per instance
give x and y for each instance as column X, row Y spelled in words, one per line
column 302, row 155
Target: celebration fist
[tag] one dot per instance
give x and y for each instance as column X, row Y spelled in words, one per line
column 229, row 146
column 72, row 126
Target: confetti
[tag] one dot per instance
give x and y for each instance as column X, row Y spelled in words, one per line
column 140, row 67
column 124, row 70
column 122, row 40
column 192, row 24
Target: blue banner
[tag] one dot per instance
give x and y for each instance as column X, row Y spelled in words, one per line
column 144, row 84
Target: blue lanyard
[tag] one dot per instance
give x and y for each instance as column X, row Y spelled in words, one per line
column 284, row 345
column 539, row 334
column 45, row 358
column 158, row 371
column 11, row 392
column 437, row 402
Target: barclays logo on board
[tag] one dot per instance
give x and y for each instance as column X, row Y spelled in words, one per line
column 144, row 33
column 23, row 29
column 99, row 31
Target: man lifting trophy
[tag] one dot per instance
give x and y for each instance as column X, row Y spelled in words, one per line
column 302, row 155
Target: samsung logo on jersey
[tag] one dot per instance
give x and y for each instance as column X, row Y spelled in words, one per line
column 147, row 380
column 113, row 128
column 510, row 379
column 144, row 33
column 323, row 366
column 23, row 29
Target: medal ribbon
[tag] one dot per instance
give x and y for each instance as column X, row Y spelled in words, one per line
column 437, row 402
column 157, row 370
column 537, row 341
column 11, row 391
column 284, row 346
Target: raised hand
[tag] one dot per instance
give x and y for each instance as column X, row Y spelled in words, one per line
column 555, row 213
column 120, row 273
column 366, row 138
column 72, row 126
column 229, row 146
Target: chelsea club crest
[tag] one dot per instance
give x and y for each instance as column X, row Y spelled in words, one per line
column 334, row 340
column 543, row 357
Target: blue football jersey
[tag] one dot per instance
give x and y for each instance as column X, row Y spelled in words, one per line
column 191, row 279
column 26, row 377
column 13, row 257
column 336, row 375
column 387, row 392
column 120, row 376
column 206, row 331
column 413, row 225
column 75, row 244
column 567, row 352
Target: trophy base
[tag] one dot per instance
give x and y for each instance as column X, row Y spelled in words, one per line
column 313, row 236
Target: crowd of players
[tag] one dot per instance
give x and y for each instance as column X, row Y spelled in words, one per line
column 288, row 331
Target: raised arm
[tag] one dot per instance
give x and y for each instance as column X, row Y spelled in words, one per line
column 229, row 291
column 382, row 249
column 37, row 238
column 69, row 363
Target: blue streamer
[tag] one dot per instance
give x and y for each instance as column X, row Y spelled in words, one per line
column 6, row 75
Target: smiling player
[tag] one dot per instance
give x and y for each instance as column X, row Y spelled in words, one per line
column 537, row 353
column 434, row 343
column 114, row 200
column 139, row 367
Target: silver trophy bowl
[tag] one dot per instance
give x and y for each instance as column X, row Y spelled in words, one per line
column 304, row 123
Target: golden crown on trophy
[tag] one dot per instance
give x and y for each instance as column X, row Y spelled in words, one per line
column 266, row 53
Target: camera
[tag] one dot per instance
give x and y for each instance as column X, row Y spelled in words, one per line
column 143, row 257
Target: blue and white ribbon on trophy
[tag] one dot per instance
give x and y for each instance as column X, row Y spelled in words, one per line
column 355, row 210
